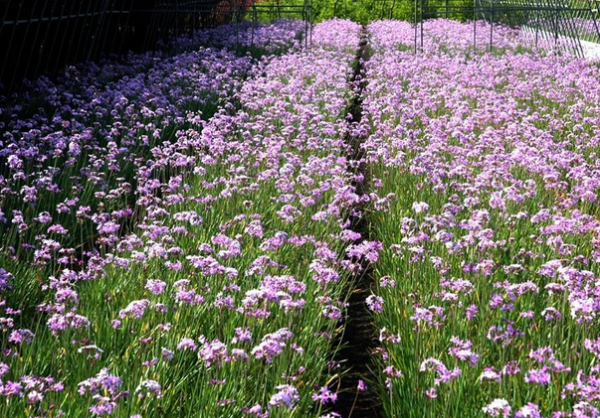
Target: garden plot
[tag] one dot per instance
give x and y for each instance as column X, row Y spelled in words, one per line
column 486, row 171
column 171, row 235
column 182, row 233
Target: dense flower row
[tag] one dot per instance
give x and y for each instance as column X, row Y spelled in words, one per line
column 487, row 171
column 171, row 232
column 273, row 38
column 435, row 36
column 478, row 37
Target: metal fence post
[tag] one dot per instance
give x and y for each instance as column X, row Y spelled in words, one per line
column 474, row 26
column 421, row 17
column 491, row 25
column 537, row 29
column 555, row 30
column 416, row 27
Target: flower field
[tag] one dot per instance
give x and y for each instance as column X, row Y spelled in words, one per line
column 178, row 231
column 487, row 173
column 171, row 230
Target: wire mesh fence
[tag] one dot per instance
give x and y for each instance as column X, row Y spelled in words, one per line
column 565, row 26
column 43, row 36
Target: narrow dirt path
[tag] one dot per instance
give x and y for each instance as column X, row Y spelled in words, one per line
column 359, row 336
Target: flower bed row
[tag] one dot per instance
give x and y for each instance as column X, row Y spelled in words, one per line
column 487, row 293
column 172, row 235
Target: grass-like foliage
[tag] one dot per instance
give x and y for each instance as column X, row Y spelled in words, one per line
column 171, row 228
column 485, row 166
column 176, row 227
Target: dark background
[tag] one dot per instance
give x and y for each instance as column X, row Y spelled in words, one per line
column 41, row 37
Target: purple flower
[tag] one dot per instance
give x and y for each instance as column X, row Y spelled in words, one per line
column 147, row 388
column 287, row 396
column 462, row 351
column 60, row 322
column 369, row 250
column 105, row 391
column 214, row 352
column 167, row 354
column 187, row 344
column 471, row 312
column 498, row 408
column 242, row 335
column 272, row 345
column 511, row 368
column 431, row 393
column 324, row 395
column 20, row 336
column 362, row 387
column 5, row 279
column 538, row 376
column 375, row 303
column 156, row 286
column 489, row 373
column 135, row 309
column 108, row 228
column 530, row 410
column 256, row 410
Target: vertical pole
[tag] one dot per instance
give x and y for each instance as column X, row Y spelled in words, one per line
column 416, row 27
column 141, row 25
column 176, row 19
column 102, row 35
column 537, row 28
column 236, row 22
column 310, row 19
column 3, row 27
column 55, row 38
column 555, row 31
column 491, row 24
column 305, row 19
column 112, row 24
column 474, row 26
column 593, row 15
column 570, row 31
column 421, row 17
column 255, row 17
column 253, row 5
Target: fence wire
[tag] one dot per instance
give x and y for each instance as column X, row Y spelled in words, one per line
column 42, row 37
column 566, row 26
